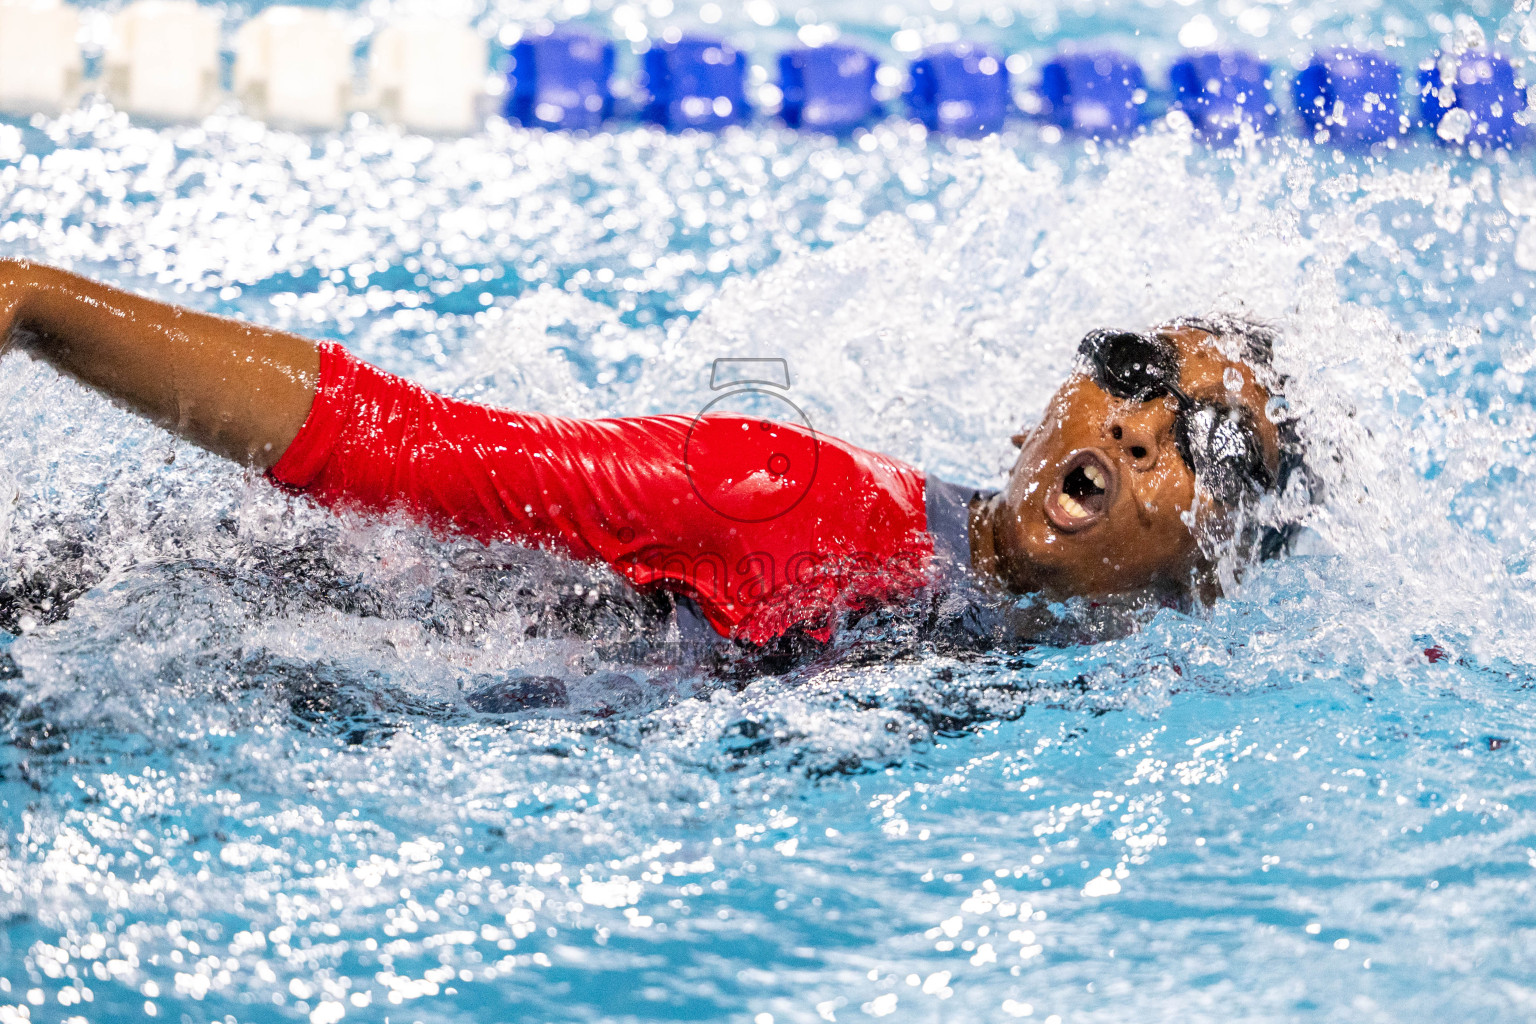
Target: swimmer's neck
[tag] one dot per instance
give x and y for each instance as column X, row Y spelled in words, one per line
column 989, row 561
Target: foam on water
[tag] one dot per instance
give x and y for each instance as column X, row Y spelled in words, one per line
column 244, row 778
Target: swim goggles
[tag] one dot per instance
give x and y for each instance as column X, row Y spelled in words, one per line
column 1217, row 441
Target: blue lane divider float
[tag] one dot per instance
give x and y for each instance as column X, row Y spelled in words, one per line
column 1097, row 95
column 560, row 80
column 960, row 89
column 1472, row 99
column 1350, row 97
column 695, row 82
column 1222, row 91
column 828, row 88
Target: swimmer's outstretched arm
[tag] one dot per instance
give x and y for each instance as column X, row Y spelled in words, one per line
column 239, row 390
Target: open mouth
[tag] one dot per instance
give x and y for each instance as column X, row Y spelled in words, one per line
column 1082, row 494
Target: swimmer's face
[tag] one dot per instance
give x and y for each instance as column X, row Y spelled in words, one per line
column 1100, row 500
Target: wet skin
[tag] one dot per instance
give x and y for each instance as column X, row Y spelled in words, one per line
column 237, row 389
column 1094, row 505
column 1099, row 501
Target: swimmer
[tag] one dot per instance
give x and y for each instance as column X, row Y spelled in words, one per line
column 1156, row 441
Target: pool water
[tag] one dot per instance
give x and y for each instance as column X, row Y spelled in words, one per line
column 244, row 779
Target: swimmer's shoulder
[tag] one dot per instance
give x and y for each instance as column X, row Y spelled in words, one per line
column 949, row 511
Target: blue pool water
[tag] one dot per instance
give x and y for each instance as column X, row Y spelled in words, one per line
column 241, row 781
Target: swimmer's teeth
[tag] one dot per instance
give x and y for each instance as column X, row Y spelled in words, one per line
column 1095, row 476
column 1074, row 509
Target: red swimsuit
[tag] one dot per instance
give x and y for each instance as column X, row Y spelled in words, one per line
column 766, row 526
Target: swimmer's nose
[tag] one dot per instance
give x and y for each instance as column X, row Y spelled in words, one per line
column 1135, row 439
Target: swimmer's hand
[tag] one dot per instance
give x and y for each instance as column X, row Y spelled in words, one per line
column 238, row 390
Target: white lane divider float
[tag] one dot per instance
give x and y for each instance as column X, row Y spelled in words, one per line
column 40, row 63
column 162, row 60
column 429, row 75
column 293, row 67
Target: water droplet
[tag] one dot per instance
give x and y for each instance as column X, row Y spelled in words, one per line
column 1519, row 196
column 1525, row 247
column 1198, row 32
column 1455, row 125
